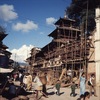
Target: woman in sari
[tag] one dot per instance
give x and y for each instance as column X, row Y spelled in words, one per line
column 82, row 83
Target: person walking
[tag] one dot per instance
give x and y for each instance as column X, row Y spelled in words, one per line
column 92, row 85
column 43, row 79
column 82, row 82
column 37, row 84
column 57, row 86
column 73, row 88
column 86, row 95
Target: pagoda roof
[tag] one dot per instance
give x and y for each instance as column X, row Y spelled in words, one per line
column 66, row 20
column 11, row 61
column 3, row 46
column 61, row 30
column 7, row 53
column 28, row 59
column 40, row 54
column 35, row 49
column 2, row 36
column 50, row 46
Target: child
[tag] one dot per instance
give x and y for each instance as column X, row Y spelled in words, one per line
column 57, row 86
column 86, row 95
column 92, row 85
column 81, row 97
column 73, row 87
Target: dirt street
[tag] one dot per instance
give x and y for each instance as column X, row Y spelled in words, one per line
column 65, row 94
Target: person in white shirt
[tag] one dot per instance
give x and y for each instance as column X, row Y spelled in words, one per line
column 93, row 85
column 37, row 81
column 37, row 84
column 25, row 80
column 69, row 72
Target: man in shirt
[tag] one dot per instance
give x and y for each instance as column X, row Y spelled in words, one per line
column 93, row 85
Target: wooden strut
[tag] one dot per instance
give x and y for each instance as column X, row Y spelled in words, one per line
column 75, row 51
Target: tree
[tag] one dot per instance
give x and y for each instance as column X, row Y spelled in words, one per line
column 83, row 11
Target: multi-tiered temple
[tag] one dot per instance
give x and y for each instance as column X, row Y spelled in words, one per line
column 69, row 48
column 5, row 61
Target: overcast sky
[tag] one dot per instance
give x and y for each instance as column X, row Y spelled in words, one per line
column 28, row 23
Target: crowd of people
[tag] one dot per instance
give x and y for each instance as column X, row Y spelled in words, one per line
column 24, row 84
column 37, row 84
column 85, row 95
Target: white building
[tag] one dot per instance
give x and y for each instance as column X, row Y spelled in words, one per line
column 97, row 45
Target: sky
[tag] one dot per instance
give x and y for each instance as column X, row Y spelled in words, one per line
column 28, row 23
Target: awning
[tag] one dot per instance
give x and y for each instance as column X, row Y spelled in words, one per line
column 5, row 70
